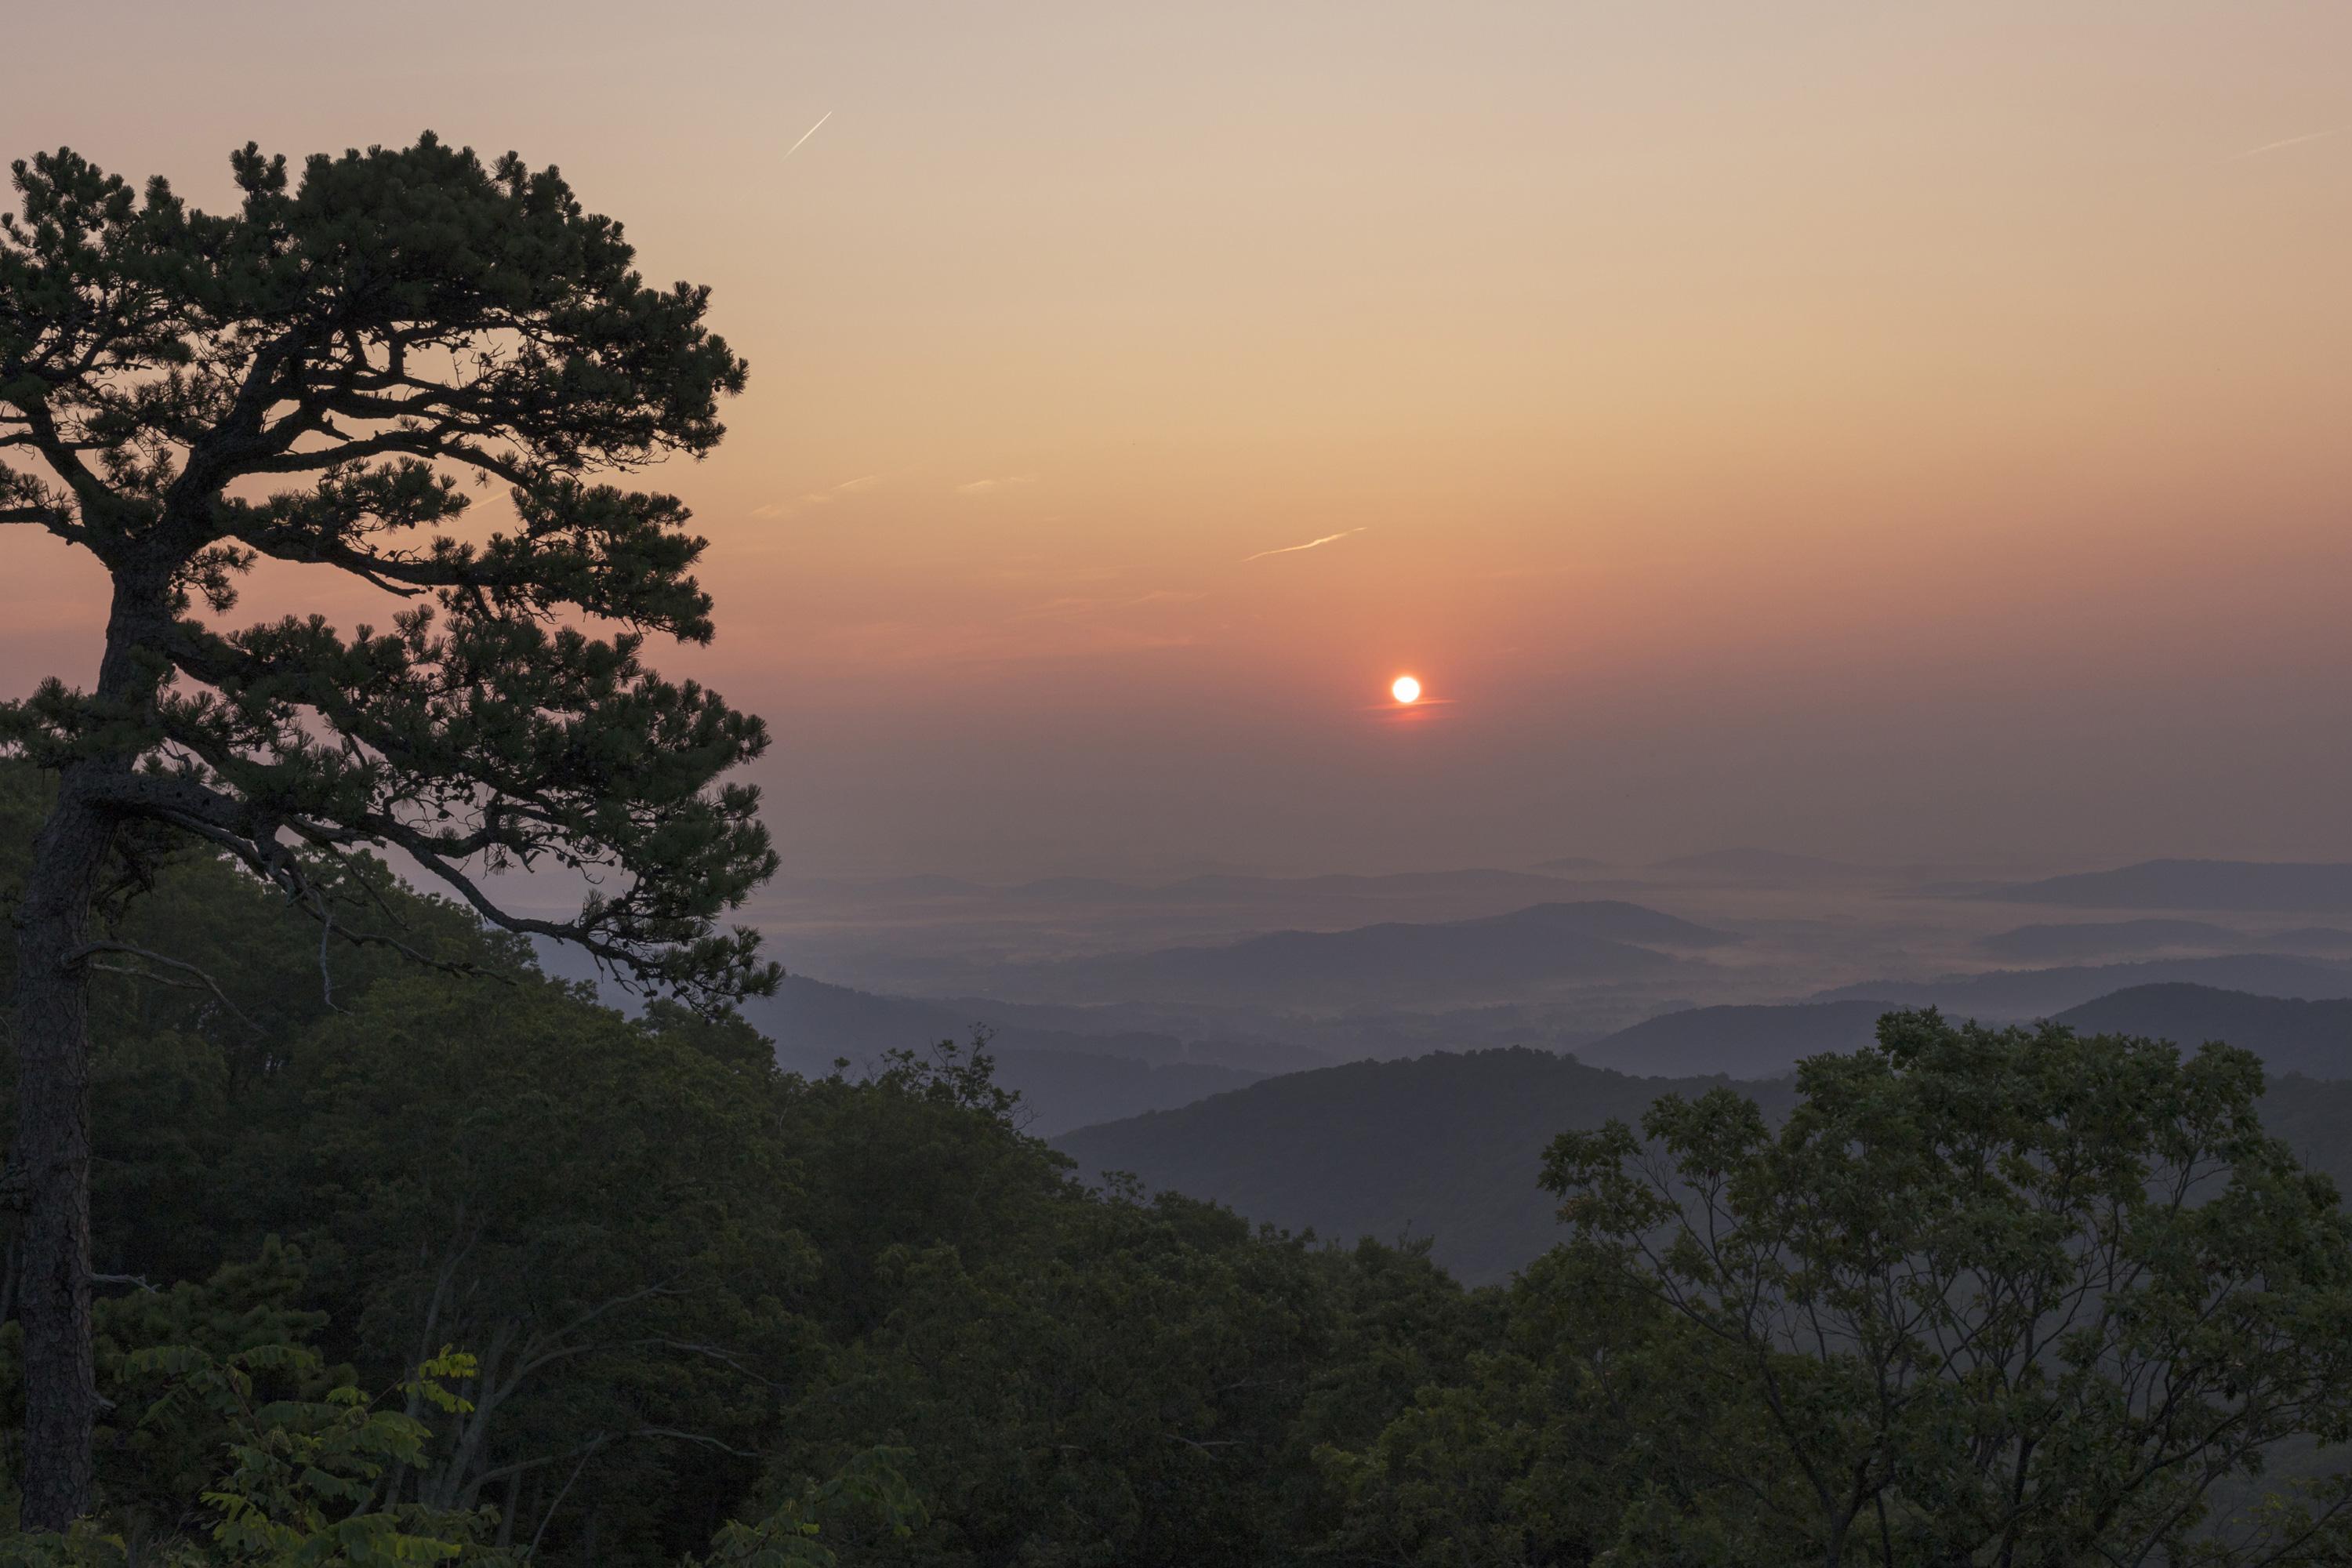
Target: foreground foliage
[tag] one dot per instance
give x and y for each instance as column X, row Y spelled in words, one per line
column 1984, row 1296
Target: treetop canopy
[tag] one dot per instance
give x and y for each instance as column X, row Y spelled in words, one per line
column 308, row 379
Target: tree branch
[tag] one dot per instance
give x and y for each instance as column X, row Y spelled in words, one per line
column 84, row 955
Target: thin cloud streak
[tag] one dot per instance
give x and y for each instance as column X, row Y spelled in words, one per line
column 806, row 134
column 2274, row 146
column 1310, row 544
column 817, row 498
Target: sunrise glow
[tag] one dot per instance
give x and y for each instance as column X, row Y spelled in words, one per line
column 1664, row 326
column 1405, row 689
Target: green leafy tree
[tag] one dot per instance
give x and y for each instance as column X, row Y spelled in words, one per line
column 869, row 1496
column 1987, row 1296
column 306, row 379
column 919, row 1154
column 601, row 1209
column 187, row 1074
column 1525, row 1451
column 152, row 1464
column 1124, row 1395
column 232, row 1441
column 301, row 1481
column 304, row 1480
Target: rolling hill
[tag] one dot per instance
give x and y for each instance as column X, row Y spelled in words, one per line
column 1531, row 951
column 2309, row 939
column 2291, row 1036
column 1750, row 1042
column 1449, row 1146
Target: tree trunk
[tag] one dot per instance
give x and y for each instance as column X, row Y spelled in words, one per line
column 52, row 1155
column 51, row 1152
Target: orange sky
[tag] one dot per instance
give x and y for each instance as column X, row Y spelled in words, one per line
column 1888, row 430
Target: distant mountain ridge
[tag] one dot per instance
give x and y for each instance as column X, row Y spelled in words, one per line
column 2095, row 939
column 2014, row 994
column 2309, row 1036
column 1392, row 963
column 1570, row 866
column 2278, row 886
column 1219, row 887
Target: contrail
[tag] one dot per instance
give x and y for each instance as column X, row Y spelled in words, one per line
column 1310, row 544
column 2274, row 146
column 806, row 134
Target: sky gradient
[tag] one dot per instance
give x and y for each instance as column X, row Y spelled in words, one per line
column 1909, row 432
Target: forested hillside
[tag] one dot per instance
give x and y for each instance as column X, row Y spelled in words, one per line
column 1445, row 1147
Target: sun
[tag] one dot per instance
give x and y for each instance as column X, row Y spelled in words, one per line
column 1405, row 689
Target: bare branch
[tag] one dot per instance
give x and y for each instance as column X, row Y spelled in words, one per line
column 588, row 1453
column 85, row 954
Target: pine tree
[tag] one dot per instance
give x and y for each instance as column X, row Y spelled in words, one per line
column 309, row 379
